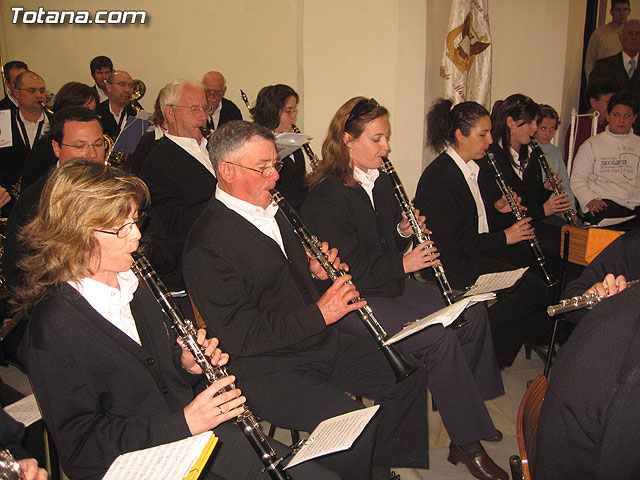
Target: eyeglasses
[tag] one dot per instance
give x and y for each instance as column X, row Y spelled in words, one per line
column 264, row 171
column 195, row 109
column 33, row 90
column 97, row 145
column 214, row 93
column 122, row 84
column 360, row 109
column 290, row 111
column 125, row 230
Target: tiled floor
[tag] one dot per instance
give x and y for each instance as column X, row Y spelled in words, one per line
column 503, row 410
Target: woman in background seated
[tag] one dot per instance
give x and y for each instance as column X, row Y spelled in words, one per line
column 276, row 108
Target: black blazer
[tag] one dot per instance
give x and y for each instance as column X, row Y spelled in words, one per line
column 180, row 187
column 530, row 188
column 101, row 393
column 443, row 196
column 39, row 161
column 366, row 239
column 7, row 104
column 229, row 112
column 109, row 125
column 259, row 303
column 291, row 183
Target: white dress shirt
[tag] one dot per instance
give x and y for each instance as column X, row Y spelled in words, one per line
column 367, row 180
column 264, row 219
column 32, row 128
column 470, row 172
column 112, row 303
column 215, row 117
column 625, row 61
column 195, row 149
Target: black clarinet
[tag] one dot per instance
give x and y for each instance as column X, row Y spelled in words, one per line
column 185, row 329
column 401, row 367
column 313, row 158
column 410, row 213
column 519, row 214
column 569, row 214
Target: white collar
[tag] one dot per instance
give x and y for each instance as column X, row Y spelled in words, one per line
column 246, row 209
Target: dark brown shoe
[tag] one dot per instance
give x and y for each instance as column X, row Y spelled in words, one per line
column 496, row 438
column 481, row 466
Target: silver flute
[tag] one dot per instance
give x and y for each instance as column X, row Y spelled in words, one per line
column 410, row 213
column 519, row 214
column 569, row 214
column 401, row 367
column 186, row 330
column 581, row 301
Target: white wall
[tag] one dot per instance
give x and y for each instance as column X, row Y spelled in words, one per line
column 328, row 50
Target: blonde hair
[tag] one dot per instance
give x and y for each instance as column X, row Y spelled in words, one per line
column 79, row 197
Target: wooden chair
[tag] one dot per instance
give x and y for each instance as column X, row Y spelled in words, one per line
column 527, row 428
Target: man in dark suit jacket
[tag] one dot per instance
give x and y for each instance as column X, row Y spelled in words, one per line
column 28, row 123
column 115, row 111
column 11, row 71
column 178, row 171
column 617, row 67
column 221, row 110
column 252, row 282
column 588, row 425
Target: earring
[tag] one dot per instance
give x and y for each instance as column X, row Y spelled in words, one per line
column 351, row 157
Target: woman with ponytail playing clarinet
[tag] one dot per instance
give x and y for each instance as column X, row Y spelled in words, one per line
column 449, row 195
column 351, row 205
column 108, row 372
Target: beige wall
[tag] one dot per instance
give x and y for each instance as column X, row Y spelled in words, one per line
column 328, row 50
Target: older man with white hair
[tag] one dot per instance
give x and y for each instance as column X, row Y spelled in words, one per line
column 221, row 110
column 178, row 171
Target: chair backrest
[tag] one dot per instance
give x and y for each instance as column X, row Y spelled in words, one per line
column 527, row 423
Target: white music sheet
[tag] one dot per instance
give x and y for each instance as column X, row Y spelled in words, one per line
column 171, row 461
column 491, row 282
column 287, row 143
column 6, row 138
column 334, row 435
column 445, row 316
column 24, row 410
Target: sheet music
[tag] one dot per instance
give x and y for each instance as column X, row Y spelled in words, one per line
column 490, row 282
column 131, row 133
column 287, row 143
column 334, row 435
column 6, row 139
column 25, row 410
column 445, row 316
column 171, row 461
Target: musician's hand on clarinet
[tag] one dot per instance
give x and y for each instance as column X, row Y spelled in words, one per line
column 556, row 204
column 4, row 197
column 334, row 304
column 596, row 205
column 31, row 471
column 547, row 183
column 404, row 227
column 422, row 256
column 503, row 206
column 332, row 255
column 211, row 408
column 210, row 350
column 610, row 285
column 519, row 231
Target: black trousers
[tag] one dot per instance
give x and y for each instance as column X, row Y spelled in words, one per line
column 314, row 390
column 460, row 364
